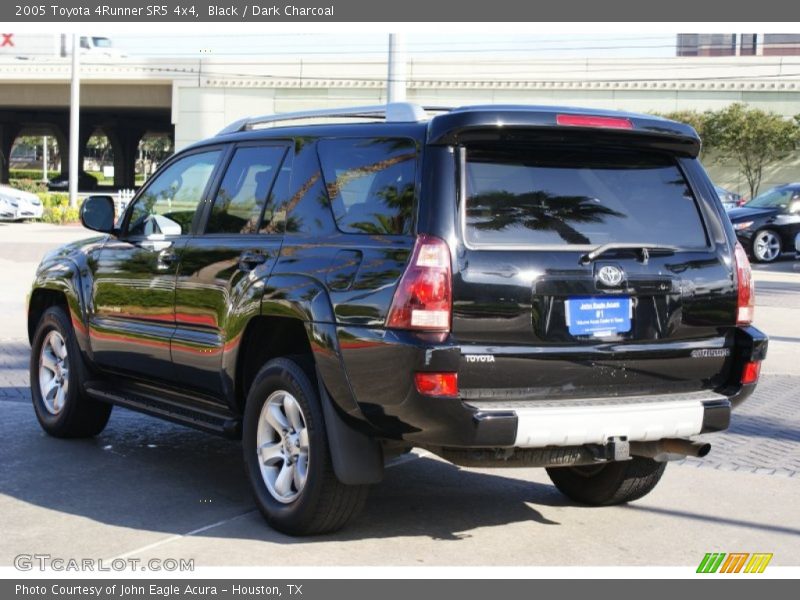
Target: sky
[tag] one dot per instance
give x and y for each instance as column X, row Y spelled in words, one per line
column 365, row 46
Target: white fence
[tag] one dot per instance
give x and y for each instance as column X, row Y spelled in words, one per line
column 121, row 201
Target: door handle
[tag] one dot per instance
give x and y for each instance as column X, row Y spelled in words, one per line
column 249, row 260
column 167, row 256
column 156, row 245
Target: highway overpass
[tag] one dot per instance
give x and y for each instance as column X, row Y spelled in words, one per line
column 190, row 99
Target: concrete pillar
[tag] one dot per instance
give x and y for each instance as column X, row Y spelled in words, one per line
column 8, row 133
column 125, row 143
column 59, row 132
column 86, row 132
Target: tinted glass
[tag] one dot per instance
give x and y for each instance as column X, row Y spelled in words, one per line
column 774, row 198
column 370, row 183
column 550, row 196
column 241, row 197
column 169, row 203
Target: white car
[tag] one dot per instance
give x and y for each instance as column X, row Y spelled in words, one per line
column 16, row 205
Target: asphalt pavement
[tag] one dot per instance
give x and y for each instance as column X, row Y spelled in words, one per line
column 146, row 488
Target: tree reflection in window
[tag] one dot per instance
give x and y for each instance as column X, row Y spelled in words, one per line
column 539, row 211
column 173, row 196
column 370, row 183
column 519, row 194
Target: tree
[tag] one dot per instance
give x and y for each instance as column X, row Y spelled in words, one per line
column 100, row 147
column 153, row 149
column 754, row 138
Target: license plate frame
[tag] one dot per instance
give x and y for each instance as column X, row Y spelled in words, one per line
column 598, row 316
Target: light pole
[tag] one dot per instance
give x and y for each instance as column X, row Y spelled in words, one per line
column 44, row 159
column 74, row 120
column 396, row 82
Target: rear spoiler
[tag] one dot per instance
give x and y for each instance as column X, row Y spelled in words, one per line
column 553, row 124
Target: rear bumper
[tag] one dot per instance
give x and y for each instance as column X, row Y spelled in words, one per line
column 380, row 366
column 595, row 420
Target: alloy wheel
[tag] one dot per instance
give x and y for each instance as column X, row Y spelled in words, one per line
column 282, row 445
column 767, row 246
column 54, row 372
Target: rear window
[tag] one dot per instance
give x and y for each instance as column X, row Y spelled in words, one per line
column 564, row 197
column 370, row 183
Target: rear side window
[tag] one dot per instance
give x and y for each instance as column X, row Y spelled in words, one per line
column 244, row 189
column 370, row 183
column 563, row 196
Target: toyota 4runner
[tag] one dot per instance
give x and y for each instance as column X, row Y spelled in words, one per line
column 501, row 285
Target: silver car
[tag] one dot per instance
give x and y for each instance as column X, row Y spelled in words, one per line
column 16, row 205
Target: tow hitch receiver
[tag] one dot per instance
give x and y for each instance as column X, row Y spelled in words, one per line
column 617, row 448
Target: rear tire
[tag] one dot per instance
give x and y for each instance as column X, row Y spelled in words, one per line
column 57, row 373
column 287, row 456
column 609, row 483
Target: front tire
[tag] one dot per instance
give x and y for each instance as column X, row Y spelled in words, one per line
column 766, row 246
column 609, row 483
column 287, row 456
column 57, row 373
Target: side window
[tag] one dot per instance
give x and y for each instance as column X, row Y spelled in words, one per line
column 243, row 193
column 168, row 204
column 370, row 183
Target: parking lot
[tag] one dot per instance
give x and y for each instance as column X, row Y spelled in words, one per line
column 146, row 488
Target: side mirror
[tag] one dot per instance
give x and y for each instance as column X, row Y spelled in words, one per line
column 97, row 213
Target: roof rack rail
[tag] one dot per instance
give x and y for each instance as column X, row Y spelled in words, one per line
column 399, row 112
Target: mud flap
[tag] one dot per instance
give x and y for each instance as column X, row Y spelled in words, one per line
column 357, row 458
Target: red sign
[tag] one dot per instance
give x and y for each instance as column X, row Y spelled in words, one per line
column 6, row 41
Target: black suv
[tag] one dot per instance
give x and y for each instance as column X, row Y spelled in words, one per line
column 501, row 285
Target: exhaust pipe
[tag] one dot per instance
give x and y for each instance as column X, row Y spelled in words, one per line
column 670, row 449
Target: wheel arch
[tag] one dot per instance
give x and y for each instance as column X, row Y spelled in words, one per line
column 59, row 284
column 296, row 320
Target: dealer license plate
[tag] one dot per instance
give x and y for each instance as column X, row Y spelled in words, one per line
column 598, row 317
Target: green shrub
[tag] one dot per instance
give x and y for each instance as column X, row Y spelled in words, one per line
column 25, row 174
column 57, row 209
column 53, row 214
column 28, row 185
column 53, row 198
column 72, row 215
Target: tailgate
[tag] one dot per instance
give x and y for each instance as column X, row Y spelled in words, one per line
column 584, row 272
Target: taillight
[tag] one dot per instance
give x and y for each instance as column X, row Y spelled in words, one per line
column 437, row 384
column 751, row 372
column 746, row 296
column 594, row 121
column 423, row 299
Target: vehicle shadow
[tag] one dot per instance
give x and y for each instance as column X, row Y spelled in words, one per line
column 150, row 475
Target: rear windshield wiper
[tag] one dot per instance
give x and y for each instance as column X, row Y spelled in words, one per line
column 645, row 250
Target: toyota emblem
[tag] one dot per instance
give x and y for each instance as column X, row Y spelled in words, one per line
column 610, row 276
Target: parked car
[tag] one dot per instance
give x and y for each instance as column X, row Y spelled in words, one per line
column 61, row 183
column 767, row 225
column 503, row 286
column 18, row 205
column 728, row 198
